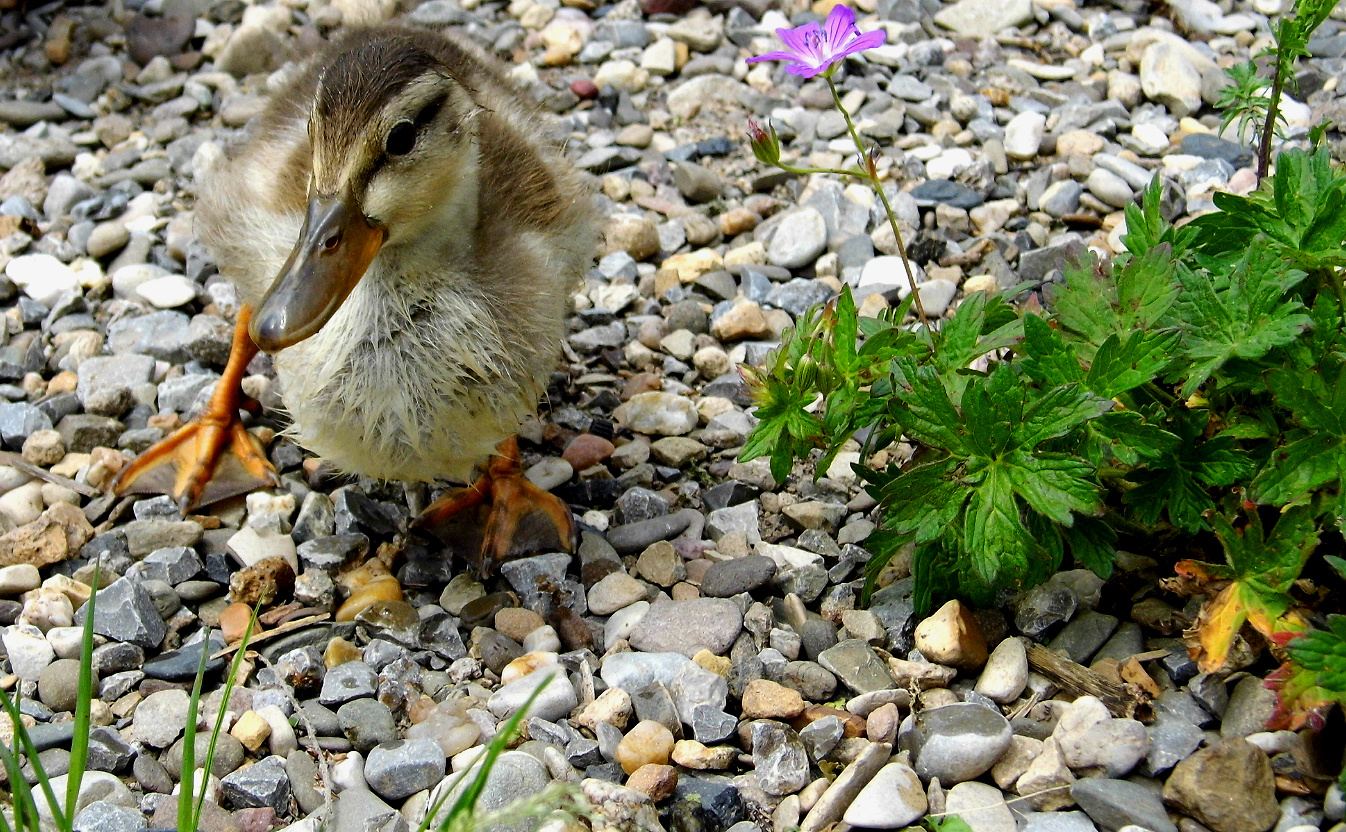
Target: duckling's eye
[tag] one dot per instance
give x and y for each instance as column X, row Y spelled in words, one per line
column 401, row 139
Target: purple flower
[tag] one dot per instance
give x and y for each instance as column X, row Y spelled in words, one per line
column 813, row 49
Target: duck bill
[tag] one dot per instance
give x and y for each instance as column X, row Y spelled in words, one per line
column 336, row 246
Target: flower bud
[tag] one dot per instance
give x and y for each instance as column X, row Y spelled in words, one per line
column 765, row 142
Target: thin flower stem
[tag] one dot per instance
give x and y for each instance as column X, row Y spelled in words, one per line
column 872, row 177
column 809, row 171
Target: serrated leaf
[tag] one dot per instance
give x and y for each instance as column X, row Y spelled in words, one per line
column 1059, row 411
column 1047, row 358
column 926, row 412
column 1130, row 438
column 1176, row 482
column 1094, row 545
column 1262, row 567
column 992, row 531
column 1245, row 315
column 1055, row 485
column 1093, row 305
column 1314, row 456
column 923, row 500
column 1119, row 366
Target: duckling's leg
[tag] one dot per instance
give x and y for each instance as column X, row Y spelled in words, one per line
column 511, row 497
column 212, row 457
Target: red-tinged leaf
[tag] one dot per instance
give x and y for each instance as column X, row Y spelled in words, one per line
column 1219, row 621
column 1300, row 701
column 1223, row 617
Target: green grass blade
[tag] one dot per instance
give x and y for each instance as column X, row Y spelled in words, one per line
column 187, row 774
column 462, row 808
column 79, row 746
column 29, row 751
column 229, row 683
column 25, row 810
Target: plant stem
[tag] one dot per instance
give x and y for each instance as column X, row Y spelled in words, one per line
column 873, row 178
column 1269, row 128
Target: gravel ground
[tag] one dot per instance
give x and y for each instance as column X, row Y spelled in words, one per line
column 712, row 668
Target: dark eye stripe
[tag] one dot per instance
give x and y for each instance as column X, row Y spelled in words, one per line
column 428, row 112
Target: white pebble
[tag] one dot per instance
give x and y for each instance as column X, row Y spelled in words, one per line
column 42, row 277
column 167, row 292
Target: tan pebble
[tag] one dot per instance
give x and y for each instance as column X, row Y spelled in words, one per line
column 765, row 699
column 77, row 591
column 526, row 664
column 612, row 706
column 34, row 385
column 695, row 755
column 63, row 382
column 852, row 726
column 251, row 730
column 937, row 698
column 517, row 622
column 587, row 450
column 684, row 591
column 712, row 662
column 952, row 636
column 654, row 780
column 377, row 588
column 340, row 651
column 881, row 726
column 738, row 221
column 234, row 622
column 647, row 743
column 166, row 422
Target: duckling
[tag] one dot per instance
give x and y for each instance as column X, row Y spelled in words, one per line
column 405, row 239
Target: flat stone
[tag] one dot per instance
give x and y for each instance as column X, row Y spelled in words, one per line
column 687, row 627
column 1113, row 804
column 397, row 770
column 983, row 18
column 857, row 665
column 125, row 611
column 956, row 742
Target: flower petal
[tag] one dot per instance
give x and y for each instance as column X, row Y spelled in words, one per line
column 779, row 55
column 797, row 39
column 840, row 26
column 868, row 40
column 805, row 70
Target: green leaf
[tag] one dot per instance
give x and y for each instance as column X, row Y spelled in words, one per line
column 1046, row 357
column 1055, row 485
column 923, row 500
column 1094, row 545
column 1093, row 305
column 1059, row 411
column 1314, row 456
column 79, row 747
column 992, row 530
column 1128, row 437
column 1271, row 561
column 1176, row 482
column 926, row 412
column 1299, row 210
column 1245, row 315
column 1120, row 365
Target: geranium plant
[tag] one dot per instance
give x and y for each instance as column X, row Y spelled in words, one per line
column 1188, row 395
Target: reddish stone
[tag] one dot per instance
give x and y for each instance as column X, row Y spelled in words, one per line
column 584, row 88
column 587, row 450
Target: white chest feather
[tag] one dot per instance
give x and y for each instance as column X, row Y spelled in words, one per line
column 407, row 384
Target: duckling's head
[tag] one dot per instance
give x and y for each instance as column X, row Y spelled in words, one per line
column 392, row 148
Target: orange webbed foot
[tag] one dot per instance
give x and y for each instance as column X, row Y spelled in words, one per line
column 213, row 457
column 513, row 502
